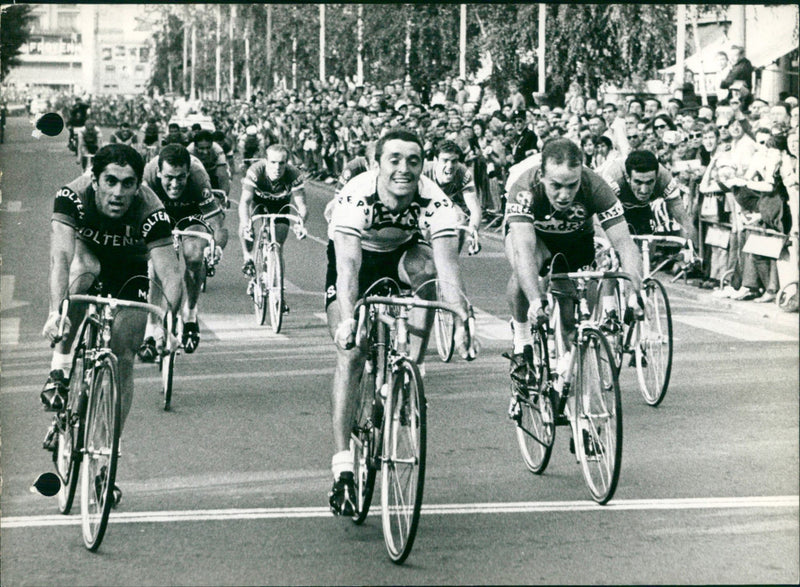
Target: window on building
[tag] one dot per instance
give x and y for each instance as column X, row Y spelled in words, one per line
column 106, row 53
column 133, row 51
column 111, row 68
column 67, row 21
column 119, row 51
column 35, row 46
column 144, row 54
column 139, row 68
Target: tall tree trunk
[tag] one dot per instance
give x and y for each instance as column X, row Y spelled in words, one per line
column 218, row 55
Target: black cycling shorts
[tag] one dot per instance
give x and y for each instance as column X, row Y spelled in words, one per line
column 374, row 266
column 575, row 257
column 125, row 279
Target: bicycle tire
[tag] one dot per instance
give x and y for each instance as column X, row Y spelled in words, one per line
column 402, row 487
column 67, row 457
column 167, row 371
column 653, row 352
column 444, row 330
column 598, row 415
column 101, row 444
column 259, row 290
column 363, row 443
column 275, row 286
column 536, row 428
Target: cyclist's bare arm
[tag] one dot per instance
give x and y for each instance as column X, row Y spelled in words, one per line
column 216, row 223
column 445, row 258
column 629, row 256
column 524, row 260
column 62, row 250
column 168, row 271
column 245, row 204
column 678, row 213
column 473, row 205
column 223, row 177
column 299, row 198
column 348, row 264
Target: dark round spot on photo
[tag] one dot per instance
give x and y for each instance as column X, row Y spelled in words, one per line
column 50, row 124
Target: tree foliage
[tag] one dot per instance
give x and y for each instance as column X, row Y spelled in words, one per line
column 588, row 43
column 14, row 32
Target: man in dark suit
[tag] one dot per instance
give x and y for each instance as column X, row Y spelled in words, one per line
column 525, row 140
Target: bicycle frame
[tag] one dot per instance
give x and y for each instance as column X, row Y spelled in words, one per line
column 646, row 240
column 209, row 238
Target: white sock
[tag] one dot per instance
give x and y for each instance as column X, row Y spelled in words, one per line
column 190, row 315
column 61, row 361
column 522, row 334
column 342, row 462
column 608, row 304
column 149, row 330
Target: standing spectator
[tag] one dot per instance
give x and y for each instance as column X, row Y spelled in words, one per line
column 616, row 128
column 741, row 70
column 515, row 98
column 489, row 104
column 524, row 141
column 723, row 70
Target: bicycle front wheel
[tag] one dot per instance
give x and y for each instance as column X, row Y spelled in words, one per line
column 275, row 286
column 653, row 352
column 444, row 330
column 403, row 467
column 101, row 443
column 259, row 284
column 67, row 456
column 536, row 428
column 167, row 370
column 364, row 442
column 599, row 416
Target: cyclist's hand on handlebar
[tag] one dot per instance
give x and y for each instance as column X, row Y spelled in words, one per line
column 474, row 246
column 537, row 314
column 465, row 342
column 345, row 335
column 300, row 231
column 246, row 232
column 51, row 326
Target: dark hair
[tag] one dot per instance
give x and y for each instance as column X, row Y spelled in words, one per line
column 204, row 136
column 218, row 135
column 604, row 140
column 638, row 101
column 196, row 126
column 560, row 151
column 117, row 154
column 641, row 161
column 448, row 147
column 399, row 134
column 176, row 155
column 665, row 118
column 610, row 105
column 174, row 125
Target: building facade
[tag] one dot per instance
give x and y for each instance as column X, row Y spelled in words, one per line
column 87, row 48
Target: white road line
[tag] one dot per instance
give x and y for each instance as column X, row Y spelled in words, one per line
column 732, row 328
column 237, row 327
column 756, row 502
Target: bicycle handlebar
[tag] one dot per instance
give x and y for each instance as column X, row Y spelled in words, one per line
column 106, row 301
column 209, row 238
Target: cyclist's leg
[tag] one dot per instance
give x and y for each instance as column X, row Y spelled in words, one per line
column 343, row 400
column 194, row 271
column 129, row 326
column 83, row 272
column 517, row 301
column 247, row 245
column 415, row 267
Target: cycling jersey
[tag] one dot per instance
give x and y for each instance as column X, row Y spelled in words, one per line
column 461, row 183
column 641, row 215
column 143, row 227
column 359, row 212
column 214, row 160
column 124, row 136
column 266, row 191
column 354, row 167
column 196, row 199
column 570, row 231
column 91, row 139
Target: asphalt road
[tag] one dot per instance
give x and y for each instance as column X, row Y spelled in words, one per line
column 230, row 487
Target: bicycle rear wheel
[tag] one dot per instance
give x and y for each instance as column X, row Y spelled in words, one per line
column 103, row 420
column 599, row 416
column 536, row 428
column 259, row 283
column 403, row 467
column 364, row 442
column 67, row 456
column 444, row 329
column 653, row 352
column 275, row 286
column 167, row 369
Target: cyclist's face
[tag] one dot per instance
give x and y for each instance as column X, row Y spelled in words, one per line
column 276, row 164
column 115, row 189
column 561, row 183
column 643, row 184
column 400, row 167
column 173, row 179
column 203, row 149
column 446, row 166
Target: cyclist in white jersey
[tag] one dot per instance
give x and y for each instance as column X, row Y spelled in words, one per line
column 377, row 226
